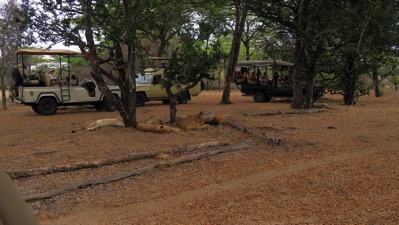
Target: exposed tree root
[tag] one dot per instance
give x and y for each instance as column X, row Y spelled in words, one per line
column 275, row 139
column 105, row 162
column 272, row 139
column 124, row 175
column 297, row 111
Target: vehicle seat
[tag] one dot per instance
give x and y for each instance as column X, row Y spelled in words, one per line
column 48, row 78
column 45, row 79
column 25, row 76
column 24, row 72
column 90, row 86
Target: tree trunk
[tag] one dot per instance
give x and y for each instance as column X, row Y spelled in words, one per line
column 376, row 82
column 3, row 93
column 349, row 95
column 349, row 78
column 172, row 109
column 247, row 50
column 310, row 76
column 234, row 52
column 349, row 87
column 128, row 112
column 163, row 43
column 172, row 104
column 309, row 99
column 298, row 98
column 126, row 105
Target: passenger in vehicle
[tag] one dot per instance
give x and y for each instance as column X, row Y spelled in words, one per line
column 74, row 81
column 258, row 76
column 155, row 80
column 247, row 76
column 284, row 80
column 265, row 79
column 53, row 80
column 253, row 77
column 276, row 78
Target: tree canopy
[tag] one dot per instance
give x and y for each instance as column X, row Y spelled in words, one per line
column 339, row 39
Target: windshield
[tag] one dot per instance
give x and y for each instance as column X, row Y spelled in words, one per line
column 143, row 79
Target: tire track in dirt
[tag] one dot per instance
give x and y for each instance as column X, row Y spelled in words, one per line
column 148, row 209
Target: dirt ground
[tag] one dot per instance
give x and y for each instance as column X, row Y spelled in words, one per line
column 339, row 166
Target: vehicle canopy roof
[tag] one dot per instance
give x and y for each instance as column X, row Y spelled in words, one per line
column 158, row 58
column 267, row 62
column 27, row 51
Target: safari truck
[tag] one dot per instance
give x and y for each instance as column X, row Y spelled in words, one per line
column 267, row 79
column 149, row 88
column 48, row 87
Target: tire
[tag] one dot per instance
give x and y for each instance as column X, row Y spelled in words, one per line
column 183, row 98
column 259, row 96
column 268, row 98
column 34, row 108
column 47, row 106
column 99, row 106
column 165, row 101
column 108, row 106
column 140, row 99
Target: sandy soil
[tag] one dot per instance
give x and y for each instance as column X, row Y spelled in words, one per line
column 339, row 166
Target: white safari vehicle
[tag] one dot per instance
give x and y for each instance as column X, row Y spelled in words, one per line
column 46, row 89
column 150, row 89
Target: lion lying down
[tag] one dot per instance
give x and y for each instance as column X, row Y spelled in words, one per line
column 189, row 122
column 199, row 121
column 155, row 125
column 149, row 126
column 215, row 119
column 97, row 124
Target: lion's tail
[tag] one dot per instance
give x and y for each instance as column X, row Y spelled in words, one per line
column 74, row 131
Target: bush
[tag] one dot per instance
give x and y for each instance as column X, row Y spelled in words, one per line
column 11, row 92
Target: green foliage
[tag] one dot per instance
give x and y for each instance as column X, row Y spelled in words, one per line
column 11, row 92
column 395, row 81
column 191, row 60
column 77, row 62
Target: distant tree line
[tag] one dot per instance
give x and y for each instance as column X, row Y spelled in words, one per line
column 333, row 42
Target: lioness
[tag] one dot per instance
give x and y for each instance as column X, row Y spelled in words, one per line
column 191, row 122
column 154, row 121
column 97, row 124
column 146, row 127
column 216, row 119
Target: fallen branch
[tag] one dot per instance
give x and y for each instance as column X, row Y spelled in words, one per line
column 16, row 174
column 298, row 111
column 124, row 175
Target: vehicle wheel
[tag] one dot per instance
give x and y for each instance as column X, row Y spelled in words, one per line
column 108, row 106
column 34, row 107
column 183, row 99
column 259, row 96
column 140, row 99
column 165, row 101
column 99, row 106
column 47, row 106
